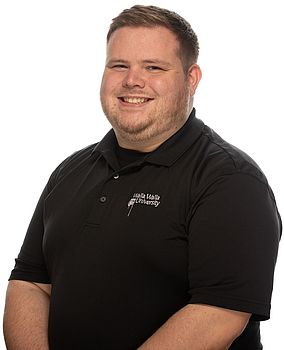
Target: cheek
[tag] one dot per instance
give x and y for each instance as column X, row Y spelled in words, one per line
column 167, row 88
column 108, row 85
column 105, row 86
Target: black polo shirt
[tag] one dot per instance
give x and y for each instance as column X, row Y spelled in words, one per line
column 125, row 248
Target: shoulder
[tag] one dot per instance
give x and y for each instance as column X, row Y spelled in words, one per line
column 215, row 158
column 79, row 159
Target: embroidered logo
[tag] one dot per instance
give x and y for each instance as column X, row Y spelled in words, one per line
column 144, row 199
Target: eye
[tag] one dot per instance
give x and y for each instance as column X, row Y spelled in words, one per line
column 153, row 68
column 118, row 67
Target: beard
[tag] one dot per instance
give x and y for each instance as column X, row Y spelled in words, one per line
column 165, row 117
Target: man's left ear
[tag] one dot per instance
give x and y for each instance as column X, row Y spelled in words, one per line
column 194, row 75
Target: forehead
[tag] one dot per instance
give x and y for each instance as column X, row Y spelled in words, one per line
column 157, row 41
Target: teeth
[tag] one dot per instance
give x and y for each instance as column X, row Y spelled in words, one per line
column 136, row 100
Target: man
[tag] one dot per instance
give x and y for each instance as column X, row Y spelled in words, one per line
column 162, row 235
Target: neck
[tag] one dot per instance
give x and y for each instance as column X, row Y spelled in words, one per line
column 138, row 145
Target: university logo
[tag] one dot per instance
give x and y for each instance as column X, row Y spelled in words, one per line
column 144, row 199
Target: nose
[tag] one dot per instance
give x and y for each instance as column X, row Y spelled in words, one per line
column 133, row 78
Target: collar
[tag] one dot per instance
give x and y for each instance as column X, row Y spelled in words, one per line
column 166, row 154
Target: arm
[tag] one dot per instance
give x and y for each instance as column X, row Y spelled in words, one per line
column 198, row 327
column 26, row 315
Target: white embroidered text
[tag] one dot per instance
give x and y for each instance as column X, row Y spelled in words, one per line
column 145, row 199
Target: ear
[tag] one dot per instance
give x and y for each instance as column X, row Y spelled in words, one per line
column 194, row 75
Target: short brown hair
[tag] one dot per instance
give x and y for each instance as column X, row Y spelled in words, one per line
column 151, row 16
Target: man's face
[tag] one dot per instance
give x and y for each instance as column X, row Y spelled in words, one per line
column 145, row 93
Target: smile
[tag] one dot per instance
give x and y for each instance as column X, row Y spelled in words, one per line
column 135, row 100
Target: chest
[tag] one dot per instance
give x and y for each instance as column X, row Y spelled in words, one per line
column 117, row 219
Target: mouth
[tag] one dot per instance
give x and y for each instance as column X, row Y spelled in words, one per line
column 134, row 100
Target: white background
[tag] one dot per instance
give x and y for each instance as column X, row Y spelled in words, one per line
column 51, row 61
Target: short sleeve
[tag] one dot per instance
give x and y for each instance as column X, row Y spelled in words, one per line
column 30, row 263
column 234, row 230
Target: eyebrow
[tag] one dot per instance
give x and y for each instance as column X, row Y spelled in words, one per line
column 156, row 61
column 116, row 60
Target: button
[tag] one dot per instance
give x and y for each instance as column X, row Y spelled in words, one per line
column 116, row 176
column 103, row 199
